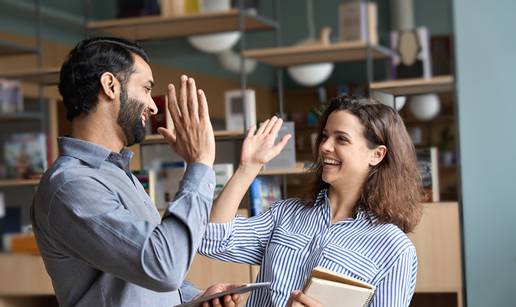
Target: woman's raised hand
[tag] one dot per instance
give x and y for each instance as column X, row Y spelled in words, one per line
column 258, row 147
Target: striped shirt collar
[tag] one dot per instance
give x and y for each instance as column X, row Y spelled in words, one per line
column 323, row 199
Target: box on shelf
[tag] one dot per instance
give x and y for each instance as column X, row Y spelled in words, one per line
column 356, row 20
column 287, row 157
column 240, row 109
column 169, row 176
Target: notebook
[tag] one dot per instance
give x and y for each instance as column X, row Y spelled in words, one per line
column 334, row 289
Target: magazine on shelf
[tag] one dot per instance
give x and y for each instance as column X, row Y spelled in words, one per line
column 428, row 164
column 264, row 190
column 337, row 290
column 223, row 172
column 25, row 155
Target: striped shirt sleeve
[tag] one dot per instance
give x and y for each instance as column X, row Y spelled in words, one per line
column 242, row 240
column 399, row 283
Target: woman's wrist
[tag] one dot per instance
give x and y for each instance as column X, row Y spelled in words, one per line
column 251, row 169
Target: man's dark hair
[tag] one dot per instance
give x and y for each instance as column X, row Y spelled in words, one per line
column 79, row 82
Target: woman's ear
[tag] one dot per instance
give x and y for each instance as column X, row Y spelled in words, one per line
column 377, row 155
column 108, row 85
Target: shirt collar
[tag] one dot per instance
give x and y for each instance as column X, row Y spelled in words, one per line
column 361, row 213
column 90, row 153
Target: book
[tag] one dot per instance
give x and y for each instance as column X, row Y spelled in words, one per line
column 428, row 164
column 223, row 172
column 148, row 180
column 11, row 98
column 25, row 155
column 264, row 190
column 333, row 289
column 356, row 20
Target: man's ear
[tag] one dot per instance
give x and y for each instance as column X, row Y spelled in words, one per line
column 377, row 155
column 108, row 85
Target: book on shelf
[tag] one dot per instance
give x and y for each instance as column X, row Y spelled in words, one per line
column 25, row 155
column 337, row 290
column 264, row 190
column 223, row 172
column 11, row 98
column 148, row 180
column 428, row 164
column 356, row 20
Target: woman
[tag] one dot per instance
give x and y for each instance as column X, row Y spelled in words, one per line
column 366, row 196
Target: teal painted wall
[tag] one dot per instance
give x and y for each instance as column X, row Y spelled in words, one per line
column 486, row 65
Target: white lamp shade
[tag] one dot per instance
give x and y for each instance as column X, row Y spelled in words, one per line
column 215, row 43
column 311, row 74
column 230, row 60
column 389, row 99
column 425, row 107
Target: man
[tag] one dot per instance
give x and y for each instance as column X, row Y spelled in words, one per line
column 101, row 238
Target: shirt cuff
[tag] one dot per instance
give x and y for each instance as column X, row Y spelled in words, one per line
column 199, row 177
column 218, row 231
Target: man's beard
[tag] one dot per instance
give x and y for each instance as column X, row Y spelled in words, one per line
column 129, row 117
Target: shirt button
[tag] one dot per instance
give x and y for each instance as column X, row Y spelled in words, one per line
column 210, row 185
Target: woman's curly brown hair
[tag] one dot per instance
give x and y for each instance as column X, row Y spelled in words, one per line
column 392, row 191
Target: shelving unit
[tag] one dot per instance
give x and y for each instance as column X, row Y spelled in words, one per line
column 219, row 134
column 400, row 87
column 20, row 116
column 297, row 55
column 43, row 76
column 9, row 48
column 18, row 182
column 299, row 168
column 157, row 27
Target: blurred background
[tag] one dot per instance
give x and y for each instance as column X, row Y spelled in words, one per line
column 445, row 65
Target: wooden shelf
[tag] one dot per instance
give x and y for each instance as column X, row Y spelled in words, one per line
column 9, row 48
column 296, row 55
column 155, row 27
column 23, row 275
column 44, row 76
column 297, row 169
column 415, row 86
column 18, row 182
column 20, row 116
column 220, row 134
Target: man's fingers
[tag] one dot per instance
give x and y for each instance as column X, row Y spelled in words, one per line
column 183, row 99
column 169, row 135
column 204, row 114
column 193, row 104
column 171, row 102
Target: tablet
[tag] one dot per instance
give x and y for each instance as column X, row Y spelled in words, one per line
column 242, row 289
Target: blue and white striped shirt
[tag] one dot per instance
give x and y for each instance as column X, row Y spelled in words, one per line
column 290, row 239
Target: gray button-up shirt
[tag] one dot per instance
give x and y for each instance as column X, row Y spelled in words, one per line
column 101, row 237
